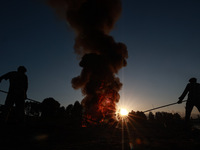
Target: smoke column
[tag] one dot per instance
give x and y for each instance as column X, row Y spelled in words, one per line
column 102, row 57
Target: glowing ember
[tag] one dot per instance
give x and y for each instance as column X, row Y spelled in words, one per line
column 123, row 112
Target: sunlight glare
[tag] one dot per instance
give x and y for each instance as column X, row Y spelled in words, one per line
column 123, row 112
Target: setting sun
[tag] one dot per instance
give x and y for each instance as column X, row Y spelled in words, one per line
column 123, row 112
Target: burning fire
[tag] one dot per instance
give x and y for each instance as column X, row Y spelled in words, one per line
column 103, row 108
column 101, row 56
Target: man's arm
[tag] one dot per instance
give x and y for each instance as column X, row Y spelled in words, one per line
column 183, row 94
column 26, row 84
column 5, row 76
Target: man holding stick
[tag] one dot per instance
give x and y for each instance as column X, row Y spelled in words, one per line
column 17, row 92
column 193, row 91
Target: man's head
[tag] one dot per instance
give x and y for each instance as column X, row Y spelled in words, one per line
column 21, row 69
column 193, row 80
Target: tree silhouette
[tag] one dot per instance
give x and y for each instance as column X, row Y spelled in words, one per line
column 77, row 114
column 151, row 116
column 49, row 108
column 69, row 112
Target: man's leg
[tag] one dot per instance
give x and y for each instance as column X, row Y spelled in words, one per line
column 189, row 107
column 9, row 102
column 198, row 106
column 20, row 102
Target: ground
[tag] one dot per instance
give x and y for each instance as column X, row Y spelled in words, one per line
column 133, row 137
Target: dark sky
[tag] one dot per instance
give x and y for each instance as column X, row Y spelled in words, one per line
column 162, row 38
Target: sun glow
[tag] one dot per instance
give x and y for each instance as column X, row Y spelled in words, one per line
column 123, row 112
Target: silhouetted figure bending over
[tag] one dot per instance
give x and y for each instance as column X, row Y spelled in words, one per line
column 193, row 91
column 17, row 92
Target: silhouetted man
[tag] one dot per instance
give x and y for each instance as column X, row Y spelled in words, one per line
column 193, row 91
column 17, row 92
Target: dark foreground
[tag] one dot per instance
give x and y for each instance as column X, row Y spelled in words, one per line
column 134, row 137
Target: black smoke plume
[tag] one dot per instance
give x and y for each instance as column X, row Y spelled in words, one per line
column 102, row 57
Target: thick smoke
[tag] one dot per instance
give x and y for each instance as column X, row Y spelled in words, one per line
column 102, row 57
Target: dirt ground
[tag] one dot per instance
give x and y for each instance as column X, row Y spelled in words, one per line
column 133, row 137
